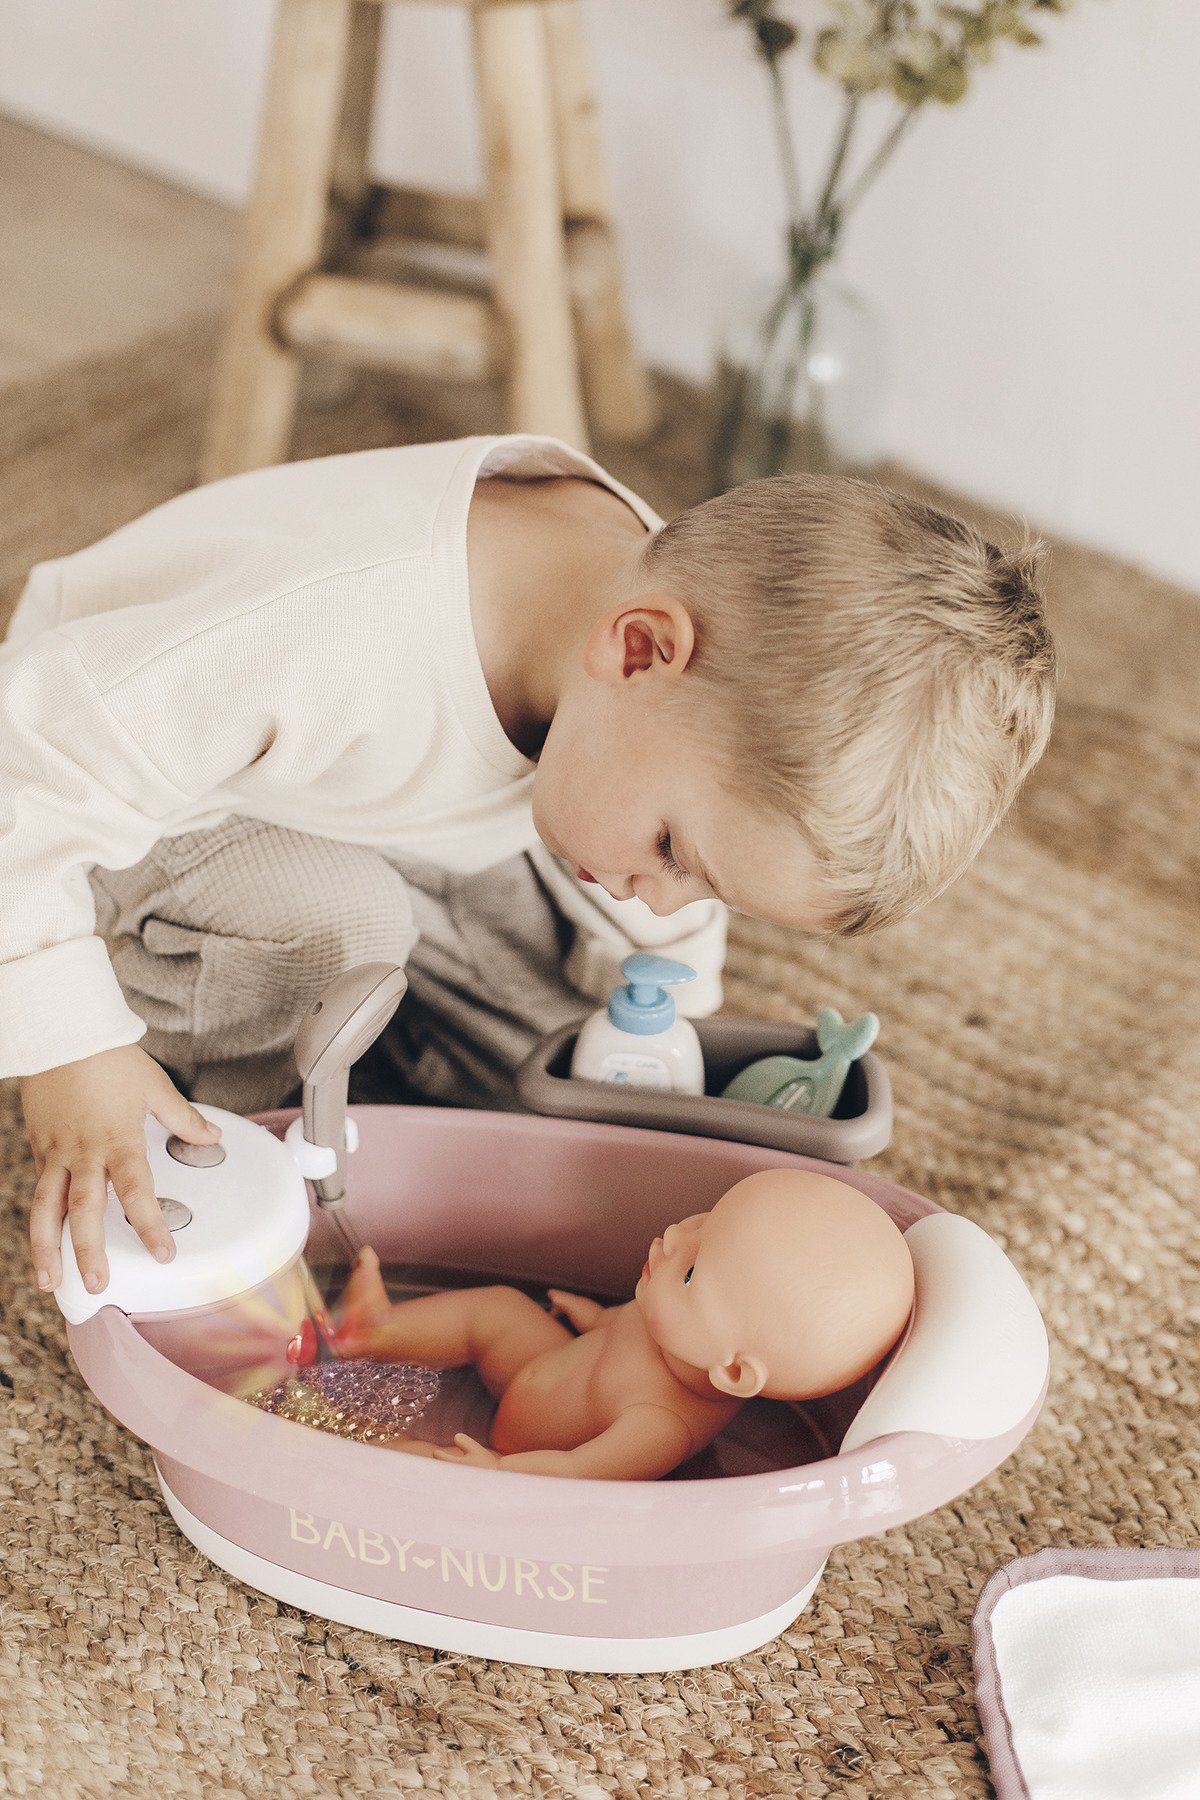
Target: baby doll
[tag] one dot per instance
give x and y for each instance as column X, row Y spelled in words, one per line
column 793, row 1286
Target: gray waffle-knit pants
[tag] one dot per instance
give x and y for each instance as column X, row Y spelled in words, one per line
column 221, row 939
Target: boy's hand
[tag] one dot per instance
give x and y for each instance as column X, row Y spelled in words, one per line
column 87, row 1126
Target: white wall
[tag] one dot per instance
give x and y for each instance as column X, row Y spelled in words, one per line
column 1033, row 249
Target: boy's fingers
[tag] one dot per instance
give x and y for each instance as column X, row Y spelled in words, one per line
column 85, row 1209
column 45, row 1225
column 181, row 1117
column 129, row 1172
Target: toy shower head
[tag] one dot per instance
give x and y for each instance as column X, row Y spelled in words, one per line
column 341, row 1023
column 239, row 1210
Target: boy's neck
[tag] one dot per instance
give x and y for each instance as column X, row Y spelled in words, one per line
column 546, row 559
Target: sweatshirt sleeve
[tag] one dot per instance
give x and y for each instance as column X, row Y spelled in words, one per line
column 75, row 790
column 607, row 930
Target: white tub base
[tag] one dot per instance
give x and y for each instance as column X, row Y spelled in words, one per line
column 442, row 1631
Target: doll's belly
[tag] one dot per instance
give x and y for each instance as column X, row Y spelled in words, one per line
column 547, row 1406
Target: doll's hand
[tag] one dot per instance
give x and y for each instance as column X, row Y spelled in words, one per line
column 582, row 1313
column 466, row 1450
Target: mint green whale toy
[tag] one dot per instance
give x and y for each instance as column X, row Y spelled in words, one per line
column 800, row 1085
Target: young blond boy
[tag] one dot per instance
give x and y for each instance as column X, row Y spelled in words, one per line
column 473, row 707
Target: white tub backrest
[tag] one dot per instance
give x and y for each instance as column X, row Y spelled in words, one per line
column 975, row 1358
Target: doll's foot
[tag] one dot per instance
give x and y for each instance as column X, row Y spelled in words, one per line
column 364, row 1299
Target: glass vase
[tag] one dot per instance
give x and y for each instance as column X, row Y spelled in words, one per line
column 801, row 383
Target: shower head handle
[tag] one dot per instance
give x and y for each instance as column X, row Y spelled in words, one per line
column 342, row 1022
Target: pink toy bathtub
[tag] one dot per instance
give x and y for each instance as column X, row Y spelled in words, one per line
column 595, row 1575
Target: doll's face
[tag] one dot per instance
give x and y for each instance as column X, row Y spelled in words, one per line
column 683, row 1298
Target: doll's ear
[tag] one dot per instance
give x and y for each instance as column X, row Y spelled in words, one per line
column 742, row 1376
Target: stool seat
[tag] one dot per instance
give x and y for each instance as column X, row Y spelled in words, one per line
column 543, row 311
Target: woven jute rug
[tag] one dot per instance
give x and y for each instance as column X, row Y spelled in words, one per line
column 1041, row 1022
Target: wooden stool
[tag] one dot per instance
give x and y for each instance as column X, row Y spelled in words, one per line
column 553, row 323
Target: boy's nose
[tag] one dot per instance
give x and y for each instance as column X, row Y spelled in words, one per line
column 661, row 904
column 617, row 887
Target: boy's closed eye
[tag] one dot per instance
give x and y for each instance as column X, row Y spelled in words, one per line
column 676, row 869
column 672, row 867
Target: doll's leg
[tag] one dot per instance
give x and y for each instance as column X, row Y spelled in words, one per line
column 498, row 1329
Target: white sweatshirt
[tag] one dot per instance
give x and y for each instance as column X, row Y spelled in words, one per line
column 294, row 644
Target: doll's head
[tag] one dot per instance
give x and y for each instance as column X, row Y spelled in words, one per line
column 793, row 1286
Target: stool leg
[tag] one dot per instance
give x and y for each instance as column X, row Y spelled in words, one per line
column 329, row 383
column 524, row 221
column 620, row 399
column 351, row 173
column 254, row 400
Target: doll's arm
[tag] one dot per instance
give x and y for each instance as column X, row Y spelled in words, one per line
column 582, row 1313
column 644, row 1442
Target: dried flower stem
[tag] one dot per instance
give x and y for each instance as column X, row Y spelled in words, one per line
column 863, row 181
column 788, row 155
column 839, row 156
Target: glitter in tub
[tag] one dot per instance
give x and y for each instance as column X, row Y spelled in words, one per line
column 353, row 1398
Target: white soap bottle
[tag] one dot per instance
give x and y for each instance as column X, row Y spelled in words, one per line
column 638, row 1040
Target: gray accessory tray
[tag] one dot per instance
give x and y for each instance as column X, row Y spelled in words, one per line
column 861, row 1126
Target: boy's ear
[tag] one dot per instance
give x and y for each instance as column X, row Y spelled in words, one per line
column 655, row 630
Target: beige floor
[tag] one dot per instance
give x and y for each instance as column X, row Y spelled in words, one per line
column 1041, row 1022
column 94, row 255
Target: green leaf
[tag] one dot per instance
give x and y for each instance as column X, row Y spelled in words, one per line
column 921, row 52
column 859, row 67
column 949, row 83
column 908, row 88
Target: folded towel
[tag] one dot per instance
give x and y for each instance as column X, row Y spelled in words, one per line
column 1087, row 1671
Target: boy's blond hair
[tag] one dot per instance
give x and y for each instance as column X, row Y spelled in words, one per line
column 888, row 672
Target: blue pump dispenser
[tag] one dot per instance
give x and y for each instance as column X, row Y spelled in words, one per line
column 643, row 1005
column 637, row 1040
